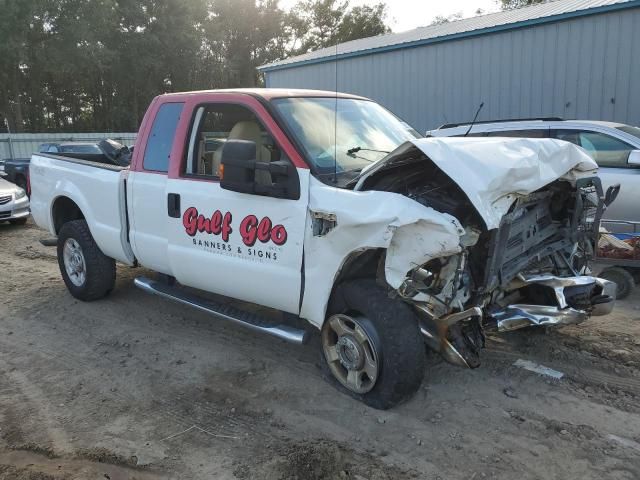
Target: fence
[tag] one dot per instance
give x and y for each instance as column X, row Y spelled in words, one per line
column 22, row 145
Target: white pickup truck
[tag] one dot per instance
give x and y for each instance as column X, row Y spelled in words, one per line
column 381, row 240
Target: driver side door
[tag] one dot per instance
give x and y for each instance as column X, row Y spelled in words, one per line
column 241, row 245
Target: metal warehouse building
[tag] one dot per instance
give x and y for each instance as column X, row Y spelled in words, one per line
column 566, row 58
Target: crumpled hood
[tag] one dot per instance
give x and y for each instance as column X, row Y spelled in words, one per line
column 493, row 172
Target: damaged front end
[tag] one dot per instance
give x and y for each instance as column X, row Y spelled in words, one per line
column 528, row 268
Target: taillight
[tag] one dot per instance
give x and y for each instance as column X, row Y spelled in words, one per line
column 28, row 183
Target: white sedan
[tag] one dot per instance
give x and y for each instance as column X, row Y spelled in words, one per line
column 14, row 203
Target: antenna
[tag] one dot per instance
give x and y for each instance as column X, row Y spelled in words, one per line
column 335, row 120
column 474, row 118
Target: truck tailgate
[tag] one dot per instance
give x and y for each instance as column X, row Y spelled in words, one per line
column 97, row 189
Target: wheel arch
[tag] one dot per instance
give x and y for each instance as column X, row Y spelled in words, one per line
column 357, row 264
column 63, row 210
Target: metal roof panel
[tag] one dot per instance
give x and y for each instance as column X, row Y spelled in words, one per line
column 516, row 18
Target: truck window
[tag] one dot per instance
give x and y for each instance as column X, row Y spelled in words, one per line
column 160, row 142
column 214, row 124
column 606, row 150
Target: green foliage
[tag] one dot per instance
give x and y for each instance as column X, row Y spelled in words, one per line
column 323, row 23
column 440, row 19
column 94, row 65
column 509, row 4
column 363, row 21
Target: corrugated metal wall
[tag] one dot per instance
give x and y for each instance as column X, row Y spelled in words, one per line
column 586, row 68
column 24, row 144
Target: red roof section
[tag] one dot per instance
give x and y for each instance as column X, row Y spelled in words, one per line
column 268, row 93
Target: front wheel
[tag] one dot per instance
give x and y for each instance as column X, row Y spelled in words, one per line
column 87, row 272
column 372, row 346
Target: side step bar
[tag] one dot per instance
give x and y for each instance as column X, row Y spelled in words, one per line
column 225, row 312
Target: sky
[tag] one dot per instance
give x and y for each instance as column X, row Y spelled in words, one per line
column 407, row 14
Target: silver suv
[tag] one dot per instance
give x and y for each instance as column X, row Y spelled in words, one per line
column 614, row 146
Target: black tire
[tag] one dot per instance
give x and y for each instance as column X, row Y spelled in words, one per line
column 100, row 270
column 18, row 221
column 399, row 345
column 625, row 283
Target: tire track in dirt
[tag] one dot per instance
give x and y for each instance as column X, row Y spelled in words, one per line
column 210, row 418
column 25, row 465
column 587, row 376
column 33, row 410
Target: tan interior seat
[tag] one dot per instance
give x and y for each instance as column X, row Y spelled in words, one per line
column 247, row 130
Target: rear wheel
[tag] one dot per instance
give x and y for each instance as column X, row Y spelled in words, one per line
column 625, row 283
column 87, row 272
column 372, row 346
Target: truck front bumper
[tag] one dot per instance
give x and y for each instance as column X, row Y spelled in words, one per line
column 576, row 299
column 458, row 336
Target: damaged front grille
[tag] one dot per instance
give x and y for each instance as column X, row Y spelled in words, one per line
column 543, row 229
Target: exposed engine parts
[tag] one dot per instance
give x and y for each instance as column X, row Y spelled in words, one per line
column 525, row 272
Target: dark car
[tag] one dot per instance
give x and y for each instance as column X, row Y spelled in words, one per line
column 16, row 170
column 106, row 151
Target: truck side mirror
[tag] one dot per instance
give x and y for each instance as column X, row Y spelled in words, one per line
column 238, row 166
column 634, row 158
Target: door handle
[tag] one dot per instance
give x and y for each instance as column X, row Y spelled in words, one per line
column 173, row 205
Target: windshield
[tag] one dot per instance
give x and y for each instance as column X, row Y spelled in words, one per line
column 635, row 131
column 366, row 132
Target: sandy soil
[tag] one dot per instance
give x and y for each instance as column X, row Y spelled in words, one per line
column 133, row 387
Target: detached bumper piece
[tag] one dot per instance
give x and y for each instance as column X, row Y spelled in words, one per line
column 557, row 301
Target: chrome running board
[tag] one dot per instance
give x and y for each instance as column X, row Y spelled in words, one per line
column 224, row 312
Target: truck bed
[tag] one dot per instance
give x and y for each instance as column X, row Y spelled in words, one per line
column 98, row 190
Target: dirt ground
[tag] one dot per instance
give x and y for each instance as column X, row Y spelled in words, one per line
column 134, row 387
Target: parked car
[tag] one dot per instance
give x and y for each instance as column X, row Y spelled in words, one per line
column 105, row 151
column 614, row 146
column 16, row 171
column 380, row 240
column 70, row 147
column 14, row 203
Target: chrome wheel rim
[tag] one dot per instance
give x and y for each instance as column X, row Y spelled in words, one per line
column 74, row 263
column 350, row 352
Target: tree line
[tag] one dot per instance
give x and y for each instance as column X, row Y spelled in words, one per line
column 94, row 65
